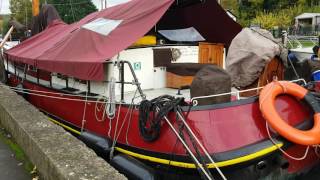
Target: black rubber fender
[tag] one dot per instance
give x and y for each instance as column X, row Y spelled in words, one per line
column 99, row 144
column 132, row 168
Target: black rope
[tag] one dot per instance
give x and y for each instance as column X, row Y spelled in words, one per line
column 150, row 119
column 150, row 122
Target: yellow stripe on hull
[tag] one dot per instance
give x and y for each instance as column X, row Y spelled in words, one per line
column 230, row 162
column 65, row 126
column 192, row 166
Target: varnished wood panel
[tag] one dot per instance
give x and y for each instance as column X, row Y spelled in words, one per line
column 211, row 53
column 176, row 81
column 274, row 69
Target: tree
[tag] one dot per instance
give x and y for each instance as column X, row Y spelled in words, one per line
column 69, row 10
column 21, row 11
column 269, row 20
column 231, row 5
column 248, row 10
column 275, row 5
column 265, row 12
column 73, row 10
column 309, row 3
column 5, row 24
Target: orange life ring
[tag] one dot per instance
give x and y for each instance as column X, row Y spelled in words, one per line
column 267, row 101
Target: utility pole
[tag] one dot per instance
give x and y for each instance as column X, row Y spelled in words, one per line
column 105, row 3
column 101, row 7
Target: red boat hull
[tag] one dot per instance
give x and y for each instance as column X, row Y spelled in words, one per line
column 221, row 128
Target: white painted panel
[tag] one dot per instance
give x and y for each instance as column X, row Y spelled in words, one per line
column 159, row 77
column 142, row 61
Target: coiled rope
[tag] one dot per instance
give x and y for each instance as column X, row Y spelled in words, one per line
column 150, row 120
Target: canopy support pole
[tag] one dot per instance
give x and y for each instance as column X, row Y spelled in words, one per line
column 6, row 37
column 122, row 80
column 136, row 81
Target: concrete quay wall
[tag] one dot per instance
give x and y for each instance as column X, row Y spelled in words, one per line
column 56, row 153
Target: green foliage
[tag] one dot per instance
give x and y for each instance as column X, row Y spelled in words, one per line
column 265, row 20
column 73, row 10
column 231, row 5
column 283, row 18
column 270, row 13
column 5, row 25
column 21, row 11
column 248, row 9
column 309, row 3
column 272, row 5
column 69, row 10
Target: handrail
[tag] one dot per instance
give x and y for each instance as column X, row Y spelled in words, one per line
column 237, row 93
column 6, row 37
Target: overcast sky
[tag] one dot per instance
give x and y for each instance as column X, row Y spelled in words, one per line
column 109, row 2
column 4, row 7
column 4, row 4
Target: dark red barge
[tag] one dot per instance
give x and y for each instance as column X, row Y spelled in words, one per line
column 67, row 71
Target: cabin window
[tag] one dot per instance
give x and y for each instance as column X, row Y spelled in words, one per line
column 32, row 68
column 102, row 26
column 182, row 35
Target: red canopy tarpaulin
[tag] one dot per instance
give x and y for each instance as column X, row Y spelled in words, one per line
column 80, row 49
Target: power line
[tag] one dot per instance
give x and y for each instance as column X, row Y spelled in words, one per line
column 74, row 19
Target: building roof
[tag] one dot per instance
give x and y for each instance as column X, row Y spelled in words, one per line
column 307, row 15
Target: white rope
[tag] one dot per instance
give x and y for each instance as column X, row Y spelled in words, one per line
column 23, row 90
column 129, row 123
column 114, row 134
column 53, row 97
column 47, row 92
column 195, row 102
column 269, row 91
column 84, row 110
column 285, row 153
column 107, row 106
column 103, row 108
column 110, row 128
column 111, row 106
column 316, row 150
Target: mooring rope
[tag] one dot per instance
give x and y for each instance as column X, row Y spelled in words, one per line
column 84, row 111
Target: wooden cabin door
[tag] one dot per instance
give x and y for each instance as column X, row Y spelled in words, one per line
column 211, row 53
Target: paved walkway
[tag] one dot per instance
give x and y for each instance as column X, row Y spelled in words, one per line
column 10, row 168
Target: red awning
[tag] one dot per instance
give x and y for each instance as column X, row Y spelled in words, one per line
column 80, row 49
